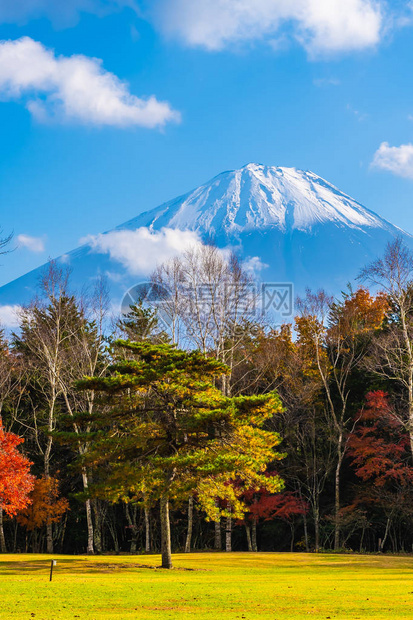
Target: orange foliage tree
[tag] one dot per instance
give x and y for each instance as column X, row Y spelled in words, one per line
column 16, row 481
column 46, row 506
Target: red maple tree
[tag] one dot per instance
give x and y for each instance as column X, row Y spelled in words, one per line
column 16, row 481
column 381, row 455
column 267, row 506
column 284, row 506
column 380, row 446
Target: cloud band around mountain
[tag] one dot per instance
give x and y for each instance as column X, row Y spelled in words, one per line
column 73, row 89
column 141, row 250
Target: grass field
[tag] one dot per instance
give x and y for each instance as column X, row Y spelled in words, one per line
column 269, row 586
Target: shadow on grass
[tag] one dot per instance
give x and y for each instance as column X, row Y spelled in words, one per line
column 21, row 567
column 266, row 563
column 77, row 565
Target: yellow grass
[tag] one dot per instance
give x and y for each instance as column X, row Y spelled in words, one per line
column 268, row 586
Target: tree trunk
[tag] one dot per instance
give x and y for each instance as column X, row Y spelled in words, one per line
column 410, row 403
column 97, row 530
column 409, row 349
column 362, row 539
column 307, row 547
column 292, row 527
column 134, row 542
column 386, row 533
column 15, row 536
column 218, row 539
column 35, row 543
column 49, row 538
column 248, row 532
column 49, row 526
column 228, row 534
column 90, row 548
column 317, row 528
column 111, row 523
column 190, row 524
column 133, row 527
column 165, row 533
column 3, row 547
column 254, row 535
column 63, row 532
column 147, row 530
column 337, row 495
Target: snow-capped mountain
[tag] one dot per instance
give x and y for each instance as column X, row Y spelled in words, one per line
column 287, row 224
column 260, row 198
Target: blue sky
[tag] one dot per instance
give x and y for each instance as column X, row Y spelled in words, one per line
column 317, row 84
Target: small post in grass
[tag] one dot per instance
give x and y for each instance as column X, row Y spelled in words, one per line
column 52, row 563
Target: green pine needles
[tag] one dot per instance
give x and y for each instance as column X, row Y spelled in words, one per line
column 164, row 431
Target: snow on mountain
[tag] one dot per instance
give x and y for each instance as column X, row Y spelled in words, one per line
column 287, row 224
column 258, row 198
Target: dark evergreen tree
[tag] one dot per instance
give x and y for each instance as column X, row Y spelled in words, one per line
column 166, row 430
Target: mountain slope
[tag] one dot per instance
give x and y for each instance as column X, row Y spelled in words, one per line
column 292, row 225
column 259, row 198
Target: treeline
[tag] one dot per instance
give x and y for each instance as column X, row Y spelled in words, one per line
column 193, row 423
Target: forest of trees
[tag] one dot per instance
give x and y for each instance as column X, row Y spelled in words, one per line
column 199, row 425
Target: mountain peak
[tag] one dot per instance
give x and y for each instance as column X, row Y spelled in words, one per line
column 259, row 197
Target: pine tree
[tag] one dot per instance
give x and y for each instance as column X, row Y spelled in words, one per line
column 141, row 323
column 164, row 427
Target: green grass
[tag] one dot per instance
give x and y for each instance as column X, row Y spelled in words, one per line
column 268, row 586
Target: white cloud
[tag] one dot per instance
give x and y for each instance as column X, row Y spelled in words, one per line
column 63, row 13
column 73, row 88
column 395, row 159
column 34, row 244
column 9, row 316
column 141, row 250
column 320, row 26
column 253, row 264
